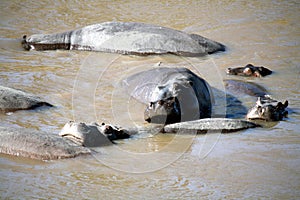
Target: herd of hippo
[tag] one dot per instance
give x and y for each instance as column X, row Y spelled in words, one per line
column 177, row 98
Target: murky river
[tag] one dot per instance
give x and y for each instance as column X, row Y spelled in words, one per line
column 261, row 163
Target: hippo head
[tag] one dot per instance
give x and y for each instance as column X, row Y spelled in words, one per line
column 92, row 135
column 249, row 70
column 268, row 109
column 173, row 103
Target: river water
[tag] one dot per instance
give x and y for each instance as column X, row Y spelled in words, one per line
column 261, row 163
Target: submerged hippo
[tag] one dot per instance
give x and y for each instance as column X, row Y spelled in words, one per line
column 73, row 140
column 177, row 95
column 249, row 70
column 172, row 94
column 12, row 100
column 268, row 109
column 125, row 38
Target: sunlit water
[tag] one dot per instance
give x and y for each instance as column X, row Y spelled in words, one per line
column 256, row 163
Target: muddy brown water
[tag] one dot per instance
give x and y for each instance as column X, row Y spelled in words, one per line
column 261, row 163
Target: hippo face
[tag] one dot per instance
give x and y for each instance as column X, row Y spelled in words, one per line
column 176, row 103
column 163, row 111
column 268, row 109
column 249, row 70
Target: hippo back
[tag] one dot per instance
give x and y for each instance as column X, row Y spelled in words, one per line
column 126, row 38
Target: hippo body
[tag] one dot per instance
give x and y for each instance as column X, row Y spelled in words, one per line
column 237, row 87
column 172, row 94
column 38, row 145
column 12, row 100
column 125, row 38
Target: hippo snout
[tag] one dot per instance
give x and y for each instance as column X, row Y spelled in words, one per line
column 165, row 111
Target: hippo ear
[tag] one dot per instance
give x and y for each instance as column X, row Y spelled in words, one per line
column 282, row 105
column 150, row 105
column 249, row 65
column 258, row 102
column 286, row 103
column 279, row 105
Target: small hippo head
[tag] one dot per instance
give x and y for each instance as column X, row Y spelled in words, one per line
column 268, row 109
column 92, row 135
column 249, row 70
column 113, row 132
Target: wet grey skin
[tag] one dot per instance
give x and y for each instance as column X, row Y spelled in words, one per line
column 75, row 139
column 249, row 70
column 224, row 125
column 237, row 88
column 13, row 100
column 125, row 38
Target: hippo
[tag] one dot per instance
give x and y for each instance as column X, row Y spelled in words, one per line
column 174, row 95
column 92, row 135
column 249, row 70
column 125, row 38
column 13, row 100
column 74, row 139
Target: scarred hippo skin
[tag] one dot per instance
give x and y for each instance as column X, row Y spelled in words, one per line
column 12, row 100
column 172, row 94
column 249, row 70
column 268, row 109
column 125, row 38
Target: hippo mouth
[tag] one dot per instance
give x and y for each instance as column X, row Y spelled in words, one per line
column 166, row 111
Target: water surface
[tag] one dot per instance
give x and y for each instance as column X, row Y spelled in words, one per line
column 256, row 163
